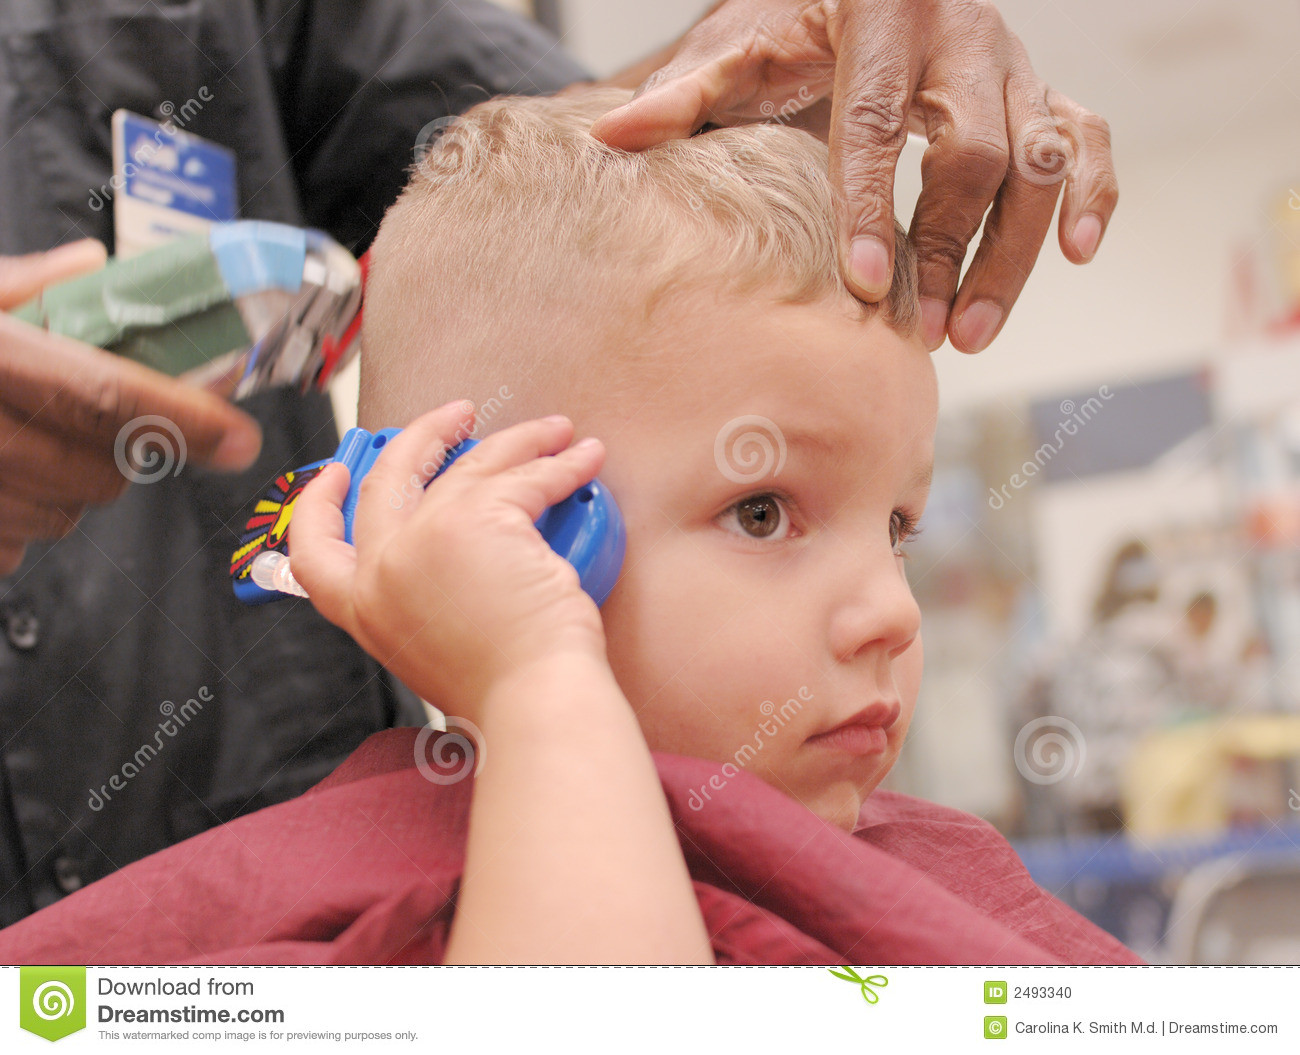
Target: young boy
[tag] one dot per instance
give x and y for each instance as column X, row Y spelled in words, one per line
column 769, row 440
column 768, row 437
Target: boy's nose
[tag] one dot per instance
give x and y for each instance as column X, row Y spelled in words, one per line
column 876, row 610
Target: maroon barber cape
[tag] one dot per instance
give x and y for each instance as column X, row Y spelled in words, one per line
column 364, row 869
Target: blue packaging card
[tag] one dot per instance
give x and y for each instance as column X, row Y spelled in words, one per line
column 167, row 182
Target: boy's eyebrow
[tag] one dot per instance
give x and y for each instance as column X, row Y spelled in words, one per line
column 826, row 444
column 835, row 451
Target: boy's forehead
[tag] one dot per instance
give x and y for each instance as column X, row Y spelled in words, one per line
column 817, row 369
column 801, row 386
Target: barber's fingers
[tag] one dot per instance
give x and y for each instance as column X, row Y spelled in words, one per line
column 718, row 65
column 1092, row 190
column 1042, row 158
column 92, row 396
column 394, row 486
column 320, row 560
column 1055, row 143
column 673, row 109
column 23, row 520
column 11, row 554
column 22, row 277
column 746, row 60
column 963, row 168
column 875, row 77
column 51, row 469
column 28, row 518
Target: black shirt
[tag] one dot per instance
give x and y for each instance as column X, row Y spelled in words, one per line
column 126, row 633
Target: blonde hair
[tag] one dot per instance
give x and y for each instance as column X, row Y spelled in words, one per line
column 522, row 246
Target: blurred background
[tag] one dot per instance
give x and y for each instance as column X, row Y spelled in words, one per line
column 1110, row 567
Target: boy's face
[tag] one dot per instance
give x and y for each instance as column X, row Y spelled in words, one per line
column 765, row 479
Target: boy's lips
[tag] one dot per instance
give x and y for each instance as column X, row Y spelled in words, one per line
column 864, row 733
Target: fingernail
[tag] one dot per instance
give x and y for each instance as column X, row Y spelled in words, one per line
column 978, row 324
column 586, row 444
column 869, row 263
column 934, row 321
column 559, row 419
column 330, row 469
column 1087, row 233
column 655, row 80
column 238, row 448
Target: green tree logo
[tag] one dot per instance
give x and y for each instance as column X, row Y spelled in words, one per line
column 52, row 1001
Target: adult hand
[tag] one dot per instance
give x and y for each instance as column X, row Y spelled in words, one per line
column 67, row 412
column 862, row 73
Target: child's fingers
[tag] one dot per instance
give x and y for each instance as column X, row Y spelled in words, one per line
column 393, row 487
column 545, row 481
column 320, row 560
column 515, row 446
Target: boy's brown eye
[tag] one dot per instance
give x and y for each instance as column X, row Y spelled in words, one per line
column 759, row 516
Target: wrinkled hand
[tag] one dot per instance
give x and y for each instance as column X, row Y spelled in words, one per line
column 452, row 587
column 64, row 404
column 861, row 73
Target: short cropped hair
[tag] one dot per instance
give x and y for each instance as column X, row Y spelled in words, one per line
column 520, row 237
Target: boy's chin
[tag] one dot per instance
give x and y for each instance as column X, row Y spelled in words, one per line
column 840, row 805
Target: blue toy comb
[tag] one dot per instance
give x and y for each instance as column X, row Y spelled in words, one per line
column 586, row 529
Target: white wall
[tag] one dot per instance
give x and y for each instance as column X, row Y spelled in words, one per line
column 607, row 35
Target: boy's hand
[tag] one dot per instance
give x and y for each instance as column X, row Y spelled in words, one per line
column 454, row 590
column 452, row 587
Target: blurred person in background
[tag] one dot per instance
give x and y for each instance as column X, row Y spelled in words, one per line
column 1093, row 698
column 1212, row 678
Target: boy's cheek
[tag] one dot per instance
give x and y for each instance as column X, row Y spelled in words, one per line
column 662, row 604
